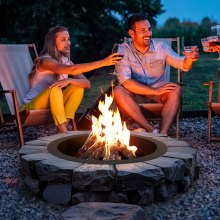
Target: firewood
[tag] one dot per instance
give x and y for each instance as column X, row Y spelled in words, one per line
column 125, row 152
column 89, row 142
column 112, row 154
column 96, row 147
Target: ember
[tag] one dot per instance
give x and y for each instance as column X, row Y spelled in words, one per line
column 109, row 139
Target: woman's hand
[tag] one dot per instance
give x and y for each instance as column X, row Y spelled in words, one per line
column 61, row 83
column 112, row 59
column 78, row 81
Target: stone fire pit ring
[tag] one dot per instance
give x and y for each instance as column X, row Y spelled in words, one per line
column 61, row 181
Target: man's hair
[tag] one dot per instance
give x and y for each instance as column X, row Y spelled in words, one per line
column 135, row 18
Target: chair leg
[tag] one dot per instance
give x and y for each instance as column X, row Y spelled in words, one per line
column 17, row 117
column 177, row 124
column 209, row 124
column 74, row 125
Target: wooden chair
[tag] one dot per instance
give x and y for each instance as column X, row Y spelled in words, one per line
column 152, row 110
column 213, row 106
column 15, row 65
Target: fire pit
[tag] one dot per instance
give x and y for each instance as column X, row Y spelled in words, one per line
column 163, row 167
column 108, row 164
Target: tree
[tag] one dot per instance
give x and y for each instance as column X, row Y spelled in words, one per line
column 94, row 25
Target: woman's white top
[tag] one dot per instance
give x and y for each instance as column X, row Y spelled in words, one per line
column 42, row 80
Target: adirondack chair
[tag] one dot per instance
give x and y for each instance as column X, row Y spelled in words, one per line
column 151, row 110
column 15, row 65
column 213, row 106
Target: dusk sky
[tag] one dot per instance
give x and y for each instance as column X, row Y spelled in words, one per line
column 193, row 10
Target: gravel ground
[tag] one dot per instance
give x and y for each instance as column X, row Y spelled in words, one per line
column 202, row 201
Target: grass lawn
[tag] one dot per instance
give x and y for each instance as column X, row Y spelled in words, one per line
column 195, row 94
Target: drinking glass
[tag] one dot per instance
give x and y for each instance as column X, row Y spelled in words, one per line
column 189, row 50
column 206, row 45
column 117, row 49
column 215, row 30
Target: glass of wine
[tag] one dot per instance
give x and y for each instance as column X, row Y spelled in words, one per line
column 117, row 49
column 215, row 30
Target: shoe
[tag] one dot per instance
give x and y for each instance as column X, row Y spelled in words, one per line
column 155, row 131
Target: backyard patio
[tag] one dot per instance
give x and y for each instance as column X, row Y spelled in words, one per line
column 202, row 201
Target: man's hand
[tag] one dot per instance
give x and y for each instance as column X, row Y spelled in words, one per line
column 169, row 87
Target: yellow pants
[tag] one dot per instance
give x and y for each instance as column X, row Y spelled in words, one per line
column 62, row 103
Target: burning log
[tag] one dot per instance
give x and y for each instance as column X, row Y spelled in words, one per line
column 89, row 142
column 96, row 150
column 109, row 139
column 126, row 152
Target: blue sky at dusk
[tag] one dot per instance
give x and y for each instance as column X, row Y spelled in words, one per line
column 190, row 10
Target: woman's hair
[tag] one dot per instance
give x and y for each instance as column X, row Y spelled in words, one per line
column 50, row 42
column 49, row 48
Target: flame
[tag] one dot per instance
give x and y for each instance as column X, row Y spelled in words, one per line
column 109, row 129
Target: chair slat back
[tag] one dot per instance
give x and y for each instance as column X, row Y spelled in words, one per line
column 15, row 65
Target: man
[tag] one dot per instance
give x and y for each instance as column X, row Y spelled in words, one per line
column 142, row 72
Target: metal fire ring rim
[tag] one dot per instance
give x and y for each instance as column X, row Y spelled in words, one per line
column 156, row 154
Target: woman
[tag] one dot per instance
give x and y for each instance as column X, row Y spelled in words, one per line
column 50, row 86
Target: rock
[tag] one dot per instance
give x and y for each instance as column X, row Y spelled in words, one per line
column 57, row 193
column 94, row 177
column 173, row 169
column 104, row 211
column 133, row 176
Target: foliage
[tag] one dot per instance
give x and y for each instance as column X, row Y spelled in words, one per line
column 94, row 25
column 191, row 32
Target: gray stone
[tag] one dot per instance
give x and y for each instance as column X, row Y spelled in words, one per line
column 104, row 211
column 37, row 142
column 173, row 169
column 184, row 184
column 54, row 137
column 59, row 194
column 146, row 196
column 116, row 197
column 165, row 191
column 32, row 149
column 28, row 161
column 133, row 176
column 161, row 192
column 94, row 177
column 197, row 171
column 187, row 150
column 32, row 185
column 172, row 142
column 55, row 169
column 61, row 135
column 188, row 158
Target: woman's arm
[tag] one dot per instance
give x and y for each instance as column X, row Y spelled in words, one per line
column 53, row 65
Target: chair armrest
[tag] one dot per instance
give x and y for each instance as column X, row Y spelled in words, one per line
column 213, row 83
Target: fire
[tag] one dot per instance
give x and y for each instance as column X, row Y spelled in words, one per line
column 109, row 130
column 109, row 139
